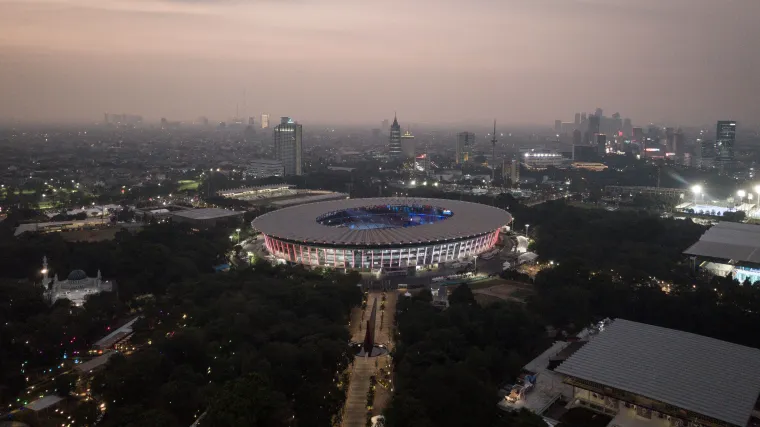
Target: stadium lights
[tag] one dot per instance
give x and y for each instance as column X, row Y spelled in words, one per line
column 697, row 190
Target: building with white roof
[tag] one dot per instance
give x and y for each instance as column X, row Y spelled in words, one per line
column 729, row 248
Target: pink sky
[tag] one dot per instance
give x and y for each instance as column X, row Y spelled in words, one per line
column 435, row 61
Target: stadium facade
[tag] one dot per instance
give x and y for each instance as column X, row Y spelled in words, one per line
column 381, row 234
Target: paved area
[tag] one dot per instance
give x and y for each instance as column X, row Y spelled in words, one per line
column 355, row 411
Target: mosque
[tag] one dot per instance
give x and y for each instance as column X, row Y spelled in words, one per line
column 75, row 288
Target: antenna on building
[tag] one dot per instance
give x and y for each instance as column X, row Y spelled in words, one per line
column 493, row 152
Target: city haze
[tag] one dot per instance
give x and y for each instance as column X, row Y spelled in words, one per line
column 340, row 61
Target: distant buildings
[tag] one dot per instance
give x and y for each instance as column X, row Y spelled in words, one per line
column 725, row 137
column 407, row 145
column 394, row 142
column 706, row 154
column 263, row 168
column 384, row 125
column 122, row 119
column 288, row 146
column 514, row 172
column 265, row 121
column 593, row 127
column 465, row 142
column 601, row 144
column 542, row 159
column 577, row 137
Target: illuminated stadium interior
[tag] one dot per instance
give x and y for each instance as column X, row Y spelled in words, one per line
column 384, row 216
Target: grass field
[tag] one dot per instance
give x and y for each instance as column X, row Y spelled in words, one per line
column 187, row 185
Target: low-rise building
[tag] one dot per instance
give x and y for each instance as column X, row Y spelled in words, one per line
column 264, row 168
column 208, row 217
column 644, row 375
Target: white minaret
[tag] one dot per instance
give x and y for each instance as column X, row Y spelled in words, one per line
column 44, row 271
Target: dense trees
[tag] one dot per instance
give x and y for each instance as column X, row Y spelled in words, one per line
column 265, row 345
column 449, row 364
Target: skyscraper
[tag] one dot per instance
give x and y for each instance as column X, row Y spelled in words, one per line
column 514, row 172
column 558, row 126
column 627, row 128
column 577, row 137
column 394, row 142
column 679, row 143
column 407, row 145
column 265, row 121
column 601, row 144
column 725, row 136
column 465, row 142
column 594, row 123
column 384, row 125
column 288, row 145
column 706, row 153
column 670, row 137
column 577, row 119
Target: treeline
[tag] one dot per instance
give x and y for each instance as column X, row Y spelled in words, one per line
column 261, row 347
column 635, row 244
column 449, row 364
column 145, row 262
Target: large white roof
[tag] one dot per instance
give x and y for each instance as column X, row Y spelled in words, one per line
column 730, row 241
column 714, row 378
column 299, row 223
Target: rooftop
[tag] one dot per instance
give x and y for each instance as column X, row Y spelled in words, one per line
column 704, row 375
column 729, row 240
column 44, row 403
column 299, row 223
column 207, row 213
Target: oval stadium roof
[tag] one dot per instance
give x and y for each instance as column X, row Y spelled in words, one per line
column 299, row 223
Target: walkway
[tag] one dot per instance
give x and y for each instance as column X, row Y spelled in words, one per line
column 355, row 411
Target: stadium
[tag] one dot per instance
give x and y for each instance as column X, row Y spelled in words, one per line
column 381, row 234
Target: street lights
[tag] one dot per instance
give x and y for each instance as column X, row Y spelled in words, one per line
column 237, row 230
column 697, row 190
column 526, row 229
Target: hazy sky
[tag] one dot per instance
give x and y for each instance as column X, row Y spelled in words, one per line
column 354, row 61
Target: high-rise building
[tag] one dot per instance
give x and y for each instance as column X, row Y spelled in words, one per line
column 627, row 128
column 577, row 137
column 514, row 173
column 288, row 145
column 679, row 142
column 670, row 137
column 250, row 121
column 583, row 118
column 599, row 112
column 725, row 137
column 394, row 142
column 558, row 126
column 407, row 145
column 601, row 144
column 706, row 153
column 593, row 127
column 265, row 121
column 465, row 142
column 384, row 125
column 577, row 119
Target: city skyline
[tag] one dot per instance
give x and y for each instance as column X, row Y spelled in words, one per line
column 524, row 63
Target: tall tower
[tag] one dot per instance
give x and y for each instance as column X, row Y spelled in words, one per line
column 288, row 143
column 493, row 152
column 465, row 142
column 394, row 143
column 265, row 121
